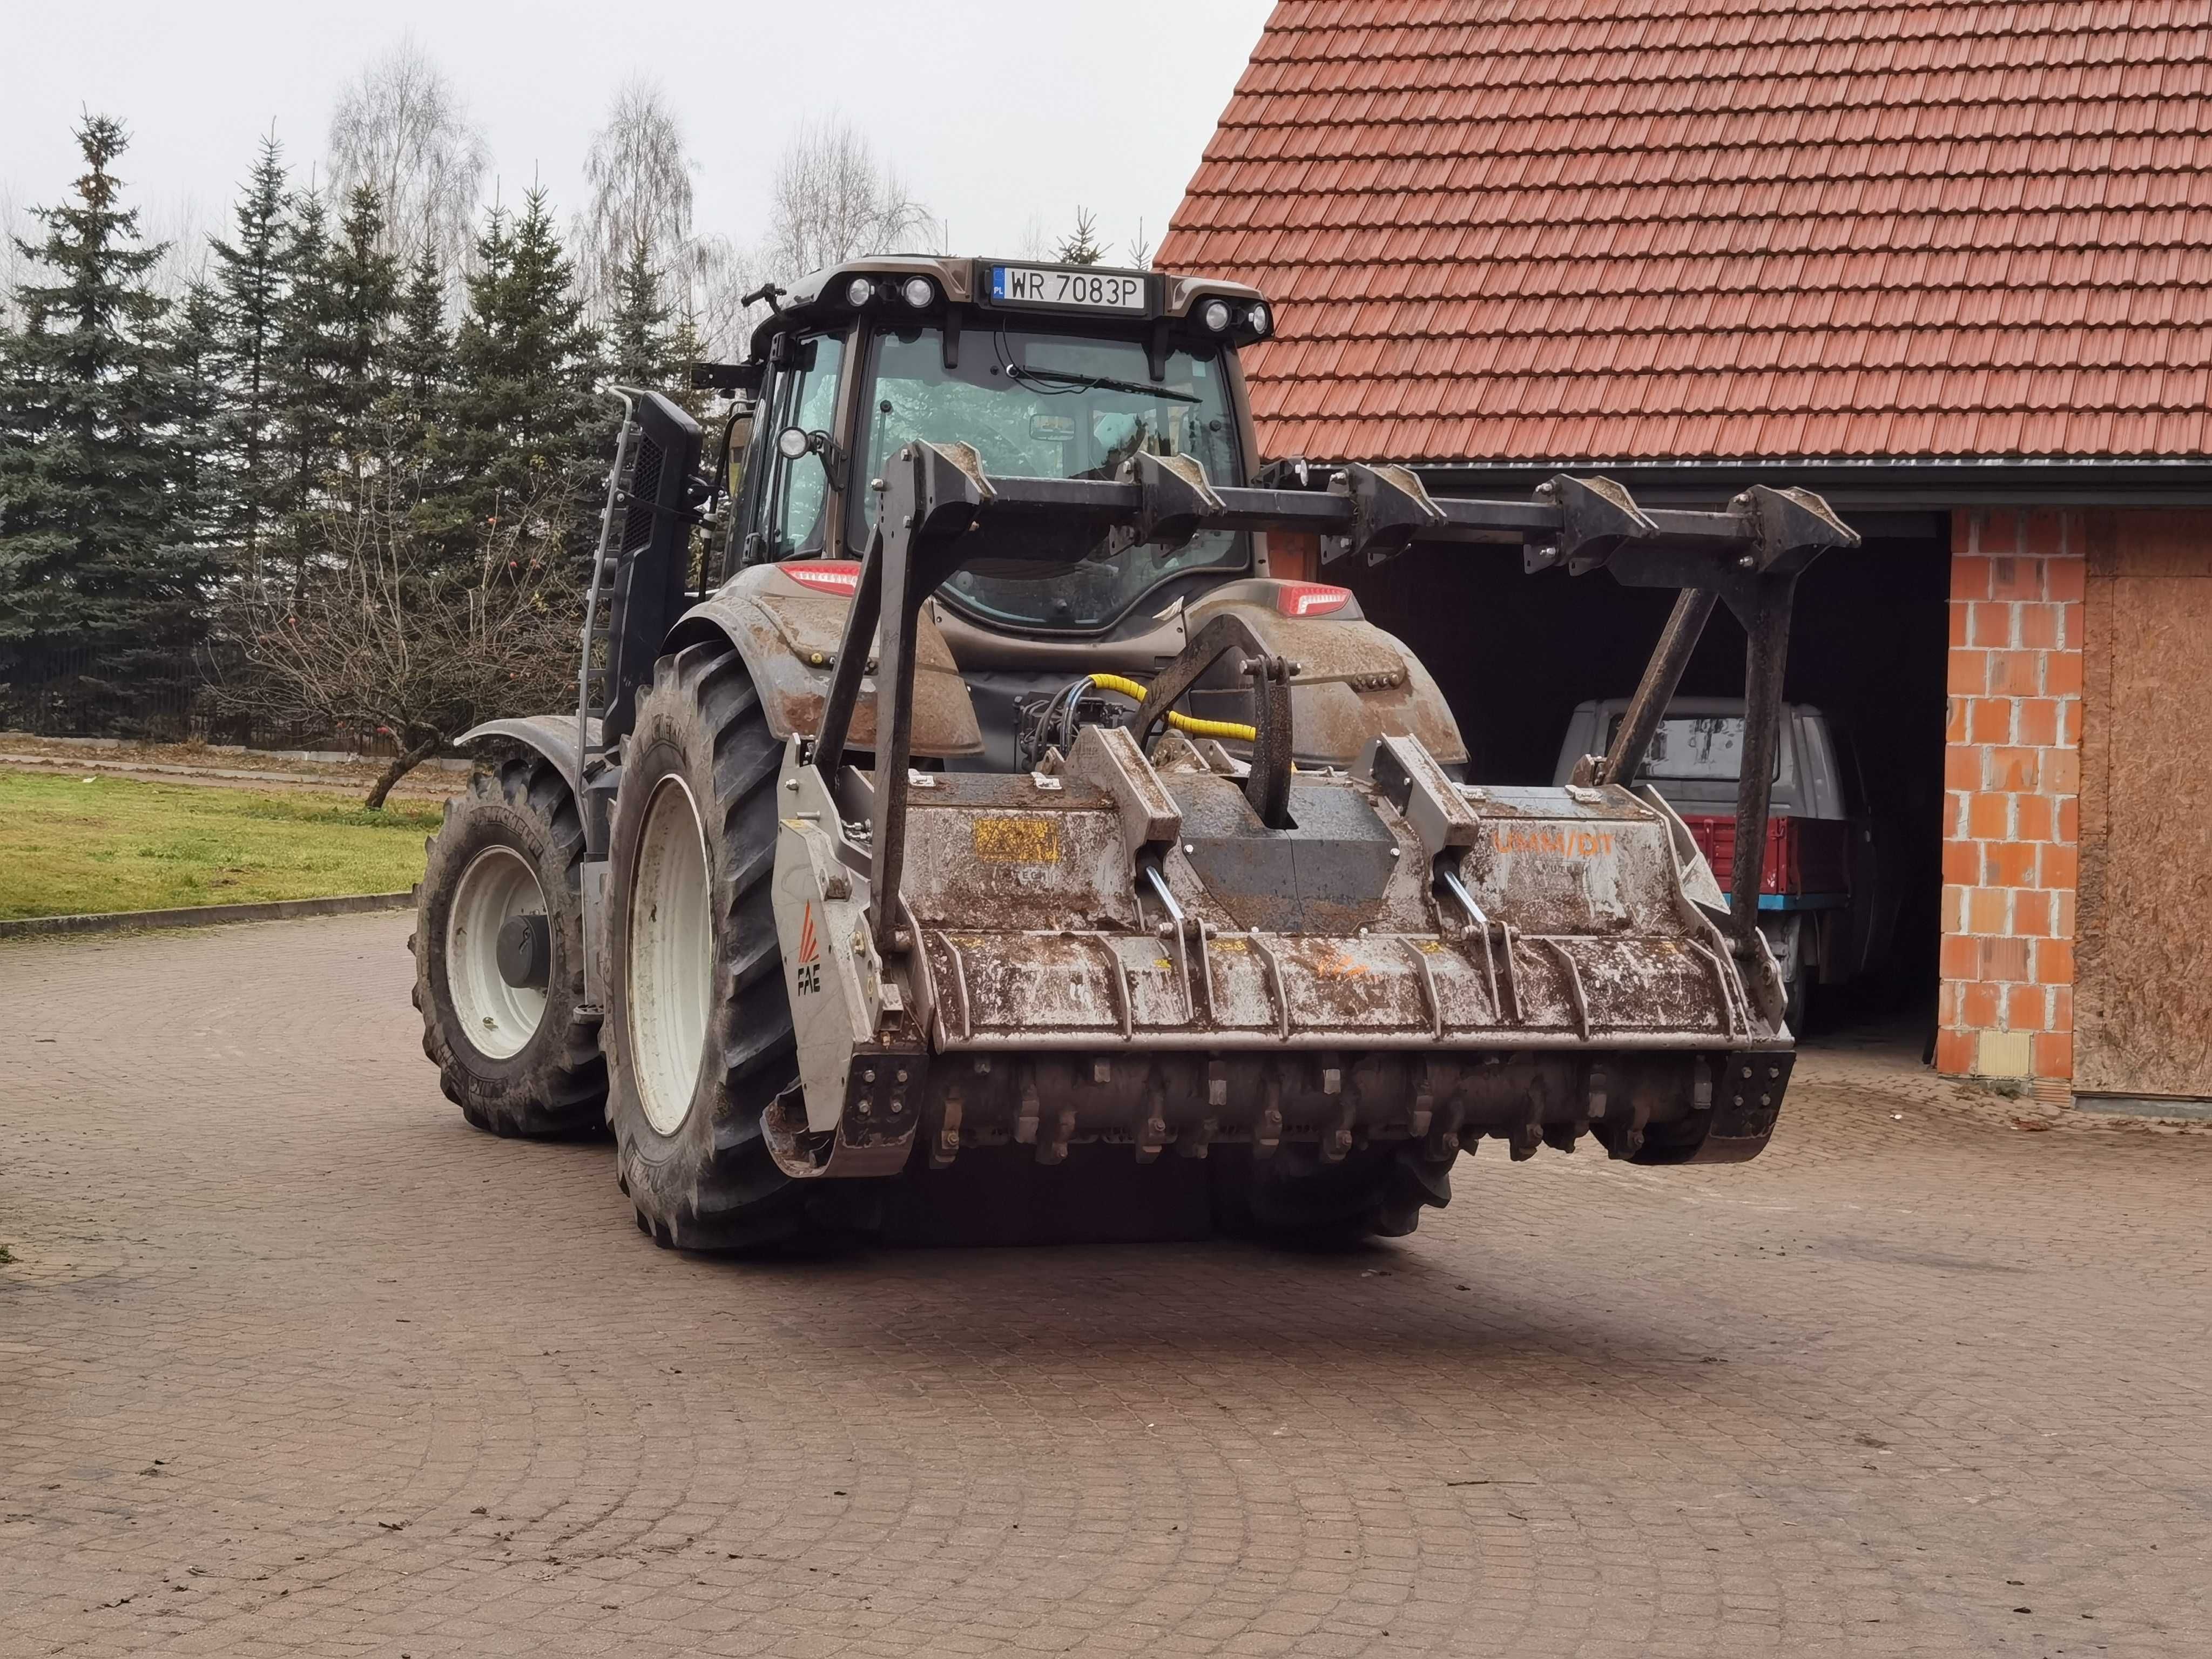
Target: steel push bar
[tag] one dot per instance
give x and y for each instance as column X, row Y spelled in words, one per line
column 938, row 512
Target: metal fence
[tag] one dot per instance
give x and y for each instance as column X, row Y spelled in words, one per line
column 152, row 696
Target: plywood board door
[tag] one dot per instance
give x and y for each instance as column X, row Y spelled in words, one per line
column 2143, row 964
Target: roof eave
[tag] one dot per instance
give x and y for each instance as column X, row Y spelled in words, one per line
column 1914, row 481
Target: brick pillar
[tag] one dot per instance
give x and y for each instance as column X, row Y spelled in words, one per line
column 2012, row 776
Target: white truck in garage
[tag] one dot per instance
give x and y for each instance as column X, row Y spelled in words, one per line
column 1828, row 902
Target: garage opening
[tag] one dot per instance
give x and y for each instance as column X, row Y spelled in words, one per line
column 1516, row 655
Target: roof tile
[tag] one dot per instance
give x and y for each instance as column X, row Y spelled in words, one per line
column 1583, row 230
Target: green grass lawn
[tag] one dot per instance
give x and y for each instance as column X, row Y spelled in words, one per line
column 68, row 846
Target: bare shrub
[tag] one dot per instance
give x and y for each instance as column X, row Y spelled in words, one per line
column 390, row 635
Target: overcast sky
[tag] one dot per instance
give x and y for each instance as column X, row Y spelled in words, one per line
column 992, row 110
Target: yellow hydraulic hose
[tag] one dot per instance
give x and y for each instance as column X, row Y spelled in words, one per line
column 1188, row 725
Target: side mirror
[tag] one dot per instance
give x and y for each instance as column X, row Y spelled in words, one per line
column 727, row 378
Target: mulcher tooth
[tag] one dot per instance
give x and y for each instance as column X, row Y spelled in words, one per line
column 1268, row 1135
column 946, row 1145
column 1336, row 1140
column 1053, row 1150
column 1153, row 1134
column 1628, row 1140
column 1445, row 1137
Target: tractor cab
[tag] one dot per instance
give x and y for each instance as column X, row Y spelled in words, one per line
column 1046, row 371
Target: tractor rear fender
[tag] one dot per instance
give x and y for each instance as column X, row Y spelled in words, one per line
column 788, row 631
column 553, row 736
column 1354, row 682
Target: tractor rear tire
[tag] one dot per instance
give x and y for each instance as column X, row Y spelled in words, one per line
column 698, row 1030
column 516, row 1061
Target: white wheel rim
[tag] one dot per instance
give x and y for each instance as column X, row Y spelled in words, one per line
column 672, row 956
column 496, row 1019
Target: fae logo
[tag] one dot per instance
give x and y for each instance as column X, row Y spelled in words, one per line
column 809, row 973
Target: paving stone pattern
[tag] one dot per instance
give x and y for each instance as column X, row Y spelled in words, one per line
column 291, row 1361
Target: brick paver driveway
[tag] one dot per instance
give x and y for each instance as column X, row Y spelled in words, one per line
column 292, row 1361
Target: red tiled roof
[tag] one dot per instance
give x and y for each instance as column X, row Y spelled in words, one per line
column 1620, row 229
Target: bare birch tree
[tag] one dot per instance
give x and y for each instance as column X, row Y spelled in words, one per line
column 637, row 174
column 183, row 227
column 833, row 199
column 14, row 221
column 402, row 129
column 1036, row 242
column 721, row 275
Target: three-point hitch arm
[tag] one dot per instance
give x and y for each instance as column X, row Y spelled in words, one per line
column 938, row 512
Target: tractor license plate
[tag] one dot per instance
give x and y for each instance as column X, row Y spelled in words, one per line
column 1089, row 290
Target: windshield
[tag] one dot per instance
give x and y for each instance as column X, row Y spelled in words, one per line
column 1057, row 406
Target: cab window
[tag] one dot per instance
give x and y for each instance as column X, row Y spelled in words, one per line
column 792, row 516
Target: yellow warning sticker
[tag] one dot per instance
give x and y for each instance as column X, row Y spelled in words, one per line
column 1008, row 840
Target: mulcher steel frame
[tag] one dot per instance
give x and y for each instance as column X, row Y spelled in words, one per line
column 940, row 512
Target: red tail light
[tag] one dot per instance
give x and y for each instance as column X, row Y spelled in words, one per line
column 1310, row 598
column 1803, row 855
column 840, row 577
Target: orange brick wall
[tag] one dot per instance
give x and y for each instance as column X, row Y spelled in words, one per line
column 2012, row 780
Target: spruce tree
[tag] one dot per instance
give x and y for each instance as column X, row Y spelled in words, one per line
column 364, row 301
column 1081, row 246
column 416, row 407
column 304, row 384
column 527, row 429
column 250, row 290
column 422, row 368
column 203, row 487
column 92, row 473
column 640, row 347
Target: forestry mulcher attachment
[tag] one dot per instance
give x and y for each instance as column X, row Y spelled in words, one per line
column 996, row 806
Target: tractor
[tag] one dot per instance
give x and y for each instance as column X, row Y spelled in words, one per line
column 984, row 822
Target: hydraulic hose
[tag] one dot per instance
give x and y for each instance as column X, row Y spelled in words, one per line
column 1188, row 725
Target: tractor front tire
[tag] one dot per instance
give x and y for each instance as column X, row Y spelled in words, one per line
column 1298, row 1198
column 698, row 1032
column 518, row 1059
column 1797, row 1006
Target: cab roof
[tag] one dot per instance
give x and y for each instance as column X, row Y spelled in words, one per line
column 966, row 282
